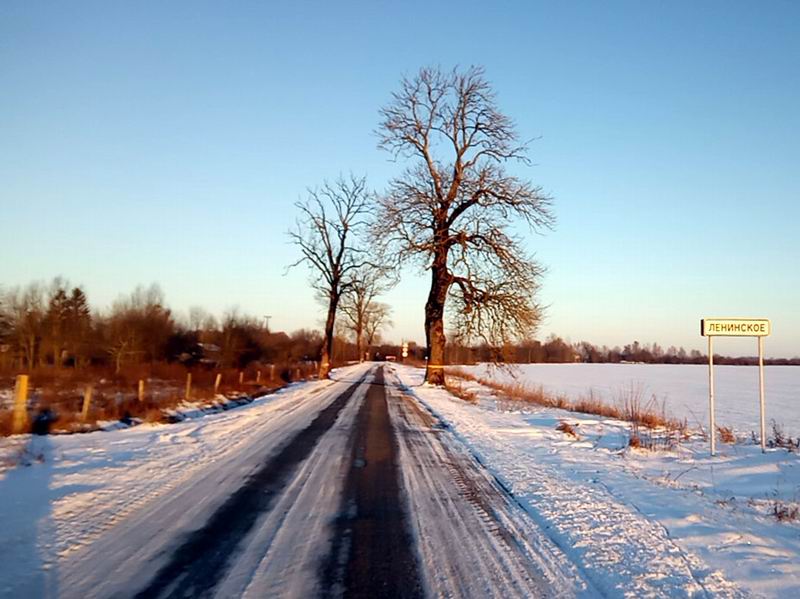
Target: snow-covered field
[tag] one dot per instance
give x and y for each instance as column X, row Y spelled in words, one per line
column 667, row 523
column 682, row 387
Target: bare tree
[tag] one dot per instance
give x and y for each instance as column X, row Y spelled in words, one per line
column 238, row 339
column 327, row 235
column 197, row 318
column 6, row 330
column 452, row 208
column 375, row 318
column 358, row 305
column 26, row 308
column 138, row 327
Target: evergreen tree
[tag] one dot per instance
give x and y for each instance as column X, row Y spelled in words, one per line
column 78, row 326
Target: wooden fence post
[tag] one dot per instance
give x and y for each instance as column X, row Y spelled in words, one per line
column 20, row 404
column 87, row 401
column 272, row 372
column 258, row 376
column 141, row 390
column 241, row 377
column 188, row 386
column 217, row 382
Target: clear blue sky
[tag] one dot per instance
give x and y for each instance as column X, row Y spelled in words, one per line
column 166, row 142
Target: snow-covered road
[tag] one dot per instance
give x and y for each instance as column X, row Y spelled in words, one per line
column 367, row 485
column 95, row 515
column 336, row 487
column 637, row 523
column 473, row 539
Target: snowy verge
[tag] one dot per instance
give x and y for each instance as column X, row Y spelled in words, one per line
column 82, row 513
column 675, row 523
column 681, row 388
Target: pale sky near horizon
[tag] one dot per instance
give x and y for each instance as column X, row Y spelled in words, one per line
column 166, row 142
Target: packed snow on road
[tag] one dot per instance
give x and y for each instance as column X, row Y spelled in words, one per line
column 489, row 498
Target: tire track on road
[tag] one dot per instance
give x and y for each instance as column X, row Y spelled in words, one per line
column 474, row 540
column 201, row 560
column 373, row 551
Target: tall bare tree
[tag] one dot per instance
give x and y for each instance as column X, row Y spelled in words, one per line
column 327, row 234
column 376, row 317
column 358, row 305
column 26, row 310
column 453, row 207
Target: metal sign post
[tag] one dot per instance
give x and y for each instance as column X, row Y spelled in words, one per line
column 711, row 411
column 761, row 394
column 735, row 327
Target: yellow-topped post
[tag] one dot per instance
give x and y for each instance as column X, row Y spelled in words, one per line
column 20, row 421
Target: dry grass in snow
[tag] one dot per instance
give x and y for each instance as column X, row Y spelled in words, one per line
column 456, row 388
column 651, row 427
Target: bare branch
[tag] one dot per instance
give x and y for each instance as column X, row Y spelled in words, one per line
column 327, row 235
column 451, row 209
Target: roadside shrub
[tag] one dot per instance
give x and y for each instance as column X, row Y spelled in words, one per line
column 651, row 427
column 115, row 396
column 785, row 513
column 594, row 404
column 726, row 434
column 457, row 389
column 781, row 439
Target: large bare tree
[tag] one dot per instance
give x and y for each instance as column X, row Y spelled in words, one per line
column 327, row 235
column 454, row 206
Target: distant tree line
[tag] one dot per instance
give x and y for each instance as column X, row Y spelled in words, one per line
column 53, row 326
column 556, row 350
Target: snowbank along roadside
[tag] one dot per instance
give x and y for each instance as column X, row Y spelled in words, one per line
column 74, row 506
column 669, row 523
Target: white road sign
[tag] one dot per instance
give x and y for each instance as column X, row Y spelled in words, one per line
column 735, row 327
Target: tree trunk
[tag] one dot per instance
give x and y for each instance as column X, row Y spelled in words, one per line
column 76, row 359
column 30, row 352
column 360, row 342
column 327, row 342
column 118, row 357
column 57, row 355
column 434, row 322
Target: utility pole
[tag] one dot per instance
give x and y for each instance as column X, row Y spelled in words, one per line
column 266, row 321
